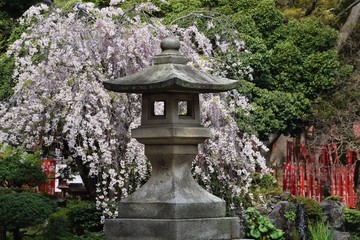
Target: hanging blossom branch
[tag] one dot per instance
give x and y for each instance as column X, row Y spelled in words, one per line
column 61, row 107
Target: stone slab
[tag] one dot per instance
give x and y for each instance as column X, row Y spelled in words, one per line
column 172, row 229
column 163, row 210
column 170, row 134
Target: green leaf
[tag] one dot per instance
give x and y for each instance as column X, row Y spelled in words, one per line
column 270, row 225
column 277, row 233
column 263, row 228
column 251, row 226
column 255, row 233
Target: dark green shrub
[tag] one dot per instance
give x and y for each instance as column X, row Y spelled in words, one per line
column 79, row 220
column 7, row 65
column 19, row 168
column 313, row 209
column 20, row 210
column 266, row 17
column 86, row 236
column 59, row 226
column 352, row 222
column 84, row 216
column 264, row 180
column 17, row 172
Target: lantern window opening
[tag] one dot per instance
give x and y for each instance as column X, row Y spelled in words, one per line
column 185, row 109
column 158, row 109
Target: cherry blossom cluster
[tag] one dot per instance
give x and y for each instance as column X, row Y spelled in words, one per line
column 61, row 107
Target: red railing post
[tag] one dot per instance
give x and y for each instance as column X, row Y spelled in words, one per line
column 302, row 180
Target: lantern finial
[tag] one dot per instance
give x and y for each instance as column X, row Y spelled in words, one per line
column 170, row 52
column 170, row 43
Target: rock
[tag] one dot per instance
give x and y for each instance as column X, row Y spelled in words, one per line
column 277, row 217
column 337, row 235
column 333, row 213
column 277, row 214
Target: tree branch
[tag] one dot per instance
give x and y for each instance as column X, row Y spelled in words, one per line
column 349, row 25
column 348, row 8
column 312, row 8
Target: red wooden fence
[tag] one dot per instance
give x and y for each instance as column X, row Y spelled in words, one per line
column 307, row 175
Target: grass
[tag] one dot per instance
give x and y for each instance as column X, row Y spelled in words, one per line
column 320, row 231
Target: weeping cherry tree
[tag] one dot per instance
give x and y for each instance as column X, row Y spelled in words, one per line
column 60, row 106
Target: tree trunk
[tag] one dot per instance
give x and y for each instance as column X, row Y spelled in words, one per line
column 89, row 182
column 269, row 144
column 17, row 234
column 349, row 25
column 3, row 233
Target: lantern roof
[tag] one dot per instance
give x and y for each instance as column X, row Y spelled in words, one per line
column 170, row 74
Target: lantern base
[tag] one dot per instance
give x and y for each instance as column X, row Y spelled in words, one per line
column 172, row 229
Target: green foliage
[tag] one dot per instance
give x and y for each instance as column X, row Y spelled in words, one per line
column 180, row 8
column 290, row 215
column 19, row 168
column 320, row 231
column 352, row 221
column 266, row 17
column 15, row 34
column 304, row 59
column 286, row 67
column 314, row 74
column 59, row 226
column 274, row 111
column 79, row 220
column 320, row 73
column 324, row 10
column 309, row 35
column 15, row 8
column 247, row 26
column 19, row 210
column 9, row 11
column 264, row 180
column 334, row 198
column 6, row 70
column 9, row 32
column 260, row 227
column 259, row 60
column 84, row 217
column 239, row 5
column 313, row 209
column 100, row 3
column 6, row 24
column 90, row 236
column 295, row 66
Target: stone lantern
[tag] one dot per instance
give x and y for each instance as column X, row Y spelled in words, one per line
column 171, row 205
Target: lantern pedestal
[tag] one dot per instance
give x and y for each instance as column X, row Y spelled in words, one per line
column 174, row 229
column 171, row 205
column 171, row 192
